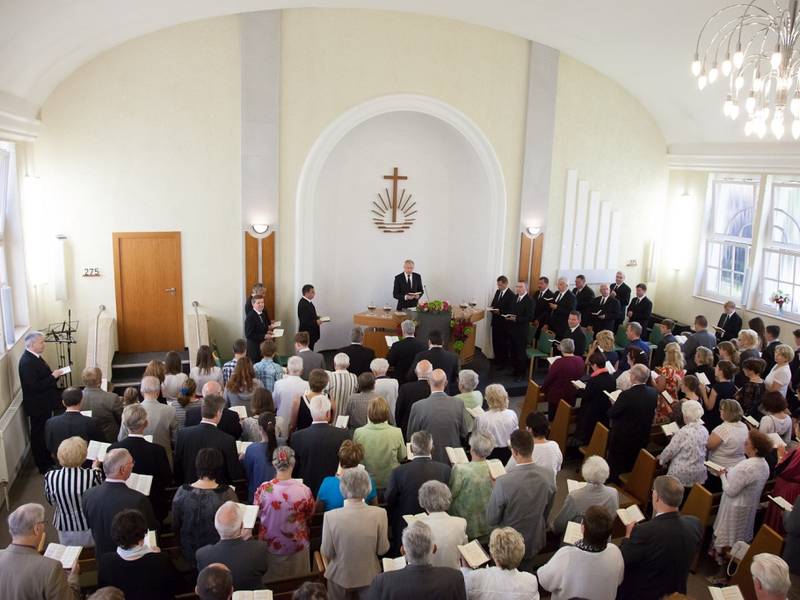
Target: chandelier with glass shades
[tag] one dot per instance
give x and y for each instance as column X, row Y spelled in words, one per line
column 751, row 47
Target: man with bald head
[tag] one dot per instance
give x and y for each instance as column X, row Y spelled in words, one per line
column 411, row 392
column 440, row 415
column 229, row 421
column 605, row 310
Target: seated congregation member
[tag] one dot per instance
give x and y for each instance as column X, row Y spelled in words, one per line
column 261, row 403
column 439, row 358
column 311, row 360
column 141, row 572
column 285, row 507
column 206, row 434
column 24, row 573
column 329, row 496
column 229, row 422
column 246, row 558
column 449, row 532
column 420, row 578
column 562, row 303
column 411, row 392
column 194, row 504
column 686, row 452
column 469, row 395
column 257, row 459
column 641, row 307
column 100, row 503
column 316, row 446
column 703, row 363
column 148, row 458
column 722, row 387
column 584, row 295
column 360, row 356
column 267, row 370
column 174, row 377
column 301, row 415
column 604, row 311
column 499, row 422
column 546, row 453
column 239, row 350
column 384, row 445
column 595, row 493
column 214, row 583
column 594, row 402
column 771, row 578
column 726, row 441
column 576, row 333
column 787, row 485
column 634, row 355
column 666, row 326
column 772, row 341
column 241, row 384
column 289, row 387
column 741, row 495
column 557, row 384
column 63, row 489
column 634, row 334
column 70, row 423
column 729, row 324
column 204, row 369
column 700, row 338
column 401, row 354
column 631, row 417
column 604, row 343
column 776, row 418
column 522, row 498
column 402, row 493
column 471, row 487
column 592, row 568
column 440, row 415
column 658, row 553
column 385, row 386
column 341, row 383
column 161, row 422
column 106, row 407
column 507, row 549
column 780, row 375
column 752, row 389
column 352, row 538
column 185, row 400
column 357, row 405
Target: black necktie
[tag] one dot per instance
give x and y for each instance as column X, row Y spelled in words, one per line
column 603, row 301
column 408, row 281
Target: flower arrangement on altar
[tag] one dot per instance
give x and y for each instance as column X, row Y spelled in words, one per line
column 780, row 298
column 460, row 330
column 434, row 306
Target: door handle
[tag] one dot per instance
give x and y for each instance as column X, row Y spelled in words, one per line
column 171, row 290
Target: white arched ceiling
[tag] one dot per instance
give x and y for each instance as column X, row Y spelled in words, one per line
column 645, row 46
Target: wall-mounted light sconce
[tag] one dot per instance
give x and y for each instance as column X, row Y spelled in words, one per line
column 260, row 228
column 533, row 231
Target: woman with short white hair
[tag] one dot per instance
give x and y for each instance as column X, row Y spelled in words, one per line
column 499, row 422
column 507, row 548
column 341, row 383
column 471, row 397
column 448, row 532
column 747, row 344
column 471, row 487
column 385, row 387
column 686, row 452
column 595, row 473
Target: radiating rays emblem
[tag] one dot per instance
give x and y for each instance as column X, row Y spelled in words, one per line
column 392, row 213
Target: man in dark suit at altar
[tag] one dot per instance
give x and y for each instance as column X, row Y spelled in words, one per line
column 518, row 323
column 407, row 286
column 605, row 310
column 541, row 311
column 307, row 319
column 256, row 327
column 561, row 305
column 622, row 292
column 729, row 324
column 583, row 299
column 501, row 304
column 641, row 307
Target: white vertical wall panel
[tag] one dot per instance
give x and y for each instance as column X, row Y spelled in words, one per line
column 592, row 228
column 579, row 241
column 603, row 235
column 567, row 228
column 613, row 238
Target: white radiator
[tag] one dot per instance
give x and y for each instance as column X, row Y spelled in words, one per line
column 13, row 442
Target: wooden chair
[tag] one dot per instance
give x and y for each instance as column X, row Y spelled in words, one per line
column 597, row 444
column 638, row 483
column 699, row 504
column 766, row 540
column 41, row 546
column 559, row 428
column 531, row 402
column 319, row 562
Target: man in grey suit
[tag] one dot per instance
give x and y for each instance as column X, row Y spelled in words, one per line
column 24, row 573
column 105, row 406
column 441, row 415
column 356, row 405
column 311, row 360
column 161, row 422
column 700, row 337
column 522, row 498
column 247, row 559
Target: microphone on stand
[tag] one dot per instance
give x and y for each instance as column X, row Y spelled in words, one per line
column 425, row 288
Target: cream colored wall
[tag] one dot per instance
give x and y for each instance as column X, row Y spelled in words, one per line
column 146, row 137
column 336, row 59
column 614, row 143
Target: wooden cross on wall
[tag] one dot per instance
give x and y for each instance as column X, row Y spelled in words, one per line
column 395, row 177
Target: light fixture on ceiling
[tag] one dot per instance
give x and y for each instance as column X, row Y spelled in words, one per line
column 533, row 231
column 760, row 64
column 260, row 228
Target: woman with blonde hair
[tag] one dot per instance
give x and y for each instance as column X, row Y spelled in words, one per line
column 780, row 376
column 384, row 445
column 241, row 384
column 669, row 376
column 604, row 342
column 747, row 344
column 507, row 549
column 704, row 363
column 499, row 422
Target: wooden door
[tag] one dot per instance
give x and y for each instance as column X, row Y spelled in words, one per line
column 147, row 274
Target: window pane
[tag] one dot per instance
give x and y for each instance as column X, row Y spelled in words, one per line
column 738, row 284
column 786, row 215
column 771, row 265
column 714, row 251
column 787, row 268
column 734, row 208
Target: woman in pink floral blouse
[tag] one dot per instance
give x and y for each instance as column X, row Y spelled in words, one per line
column 285, row 509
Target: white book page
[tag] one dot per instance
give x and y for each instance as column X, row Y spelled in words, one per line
column 277, row 323
column 241, row 447
column 781, row 502
column 629, row 515
column 252, row 595
column 66, row 555
column 552, row 359
column 670, row 428
column 140, row 483
column 150, row 539
column 713, row 467
column 277, row 333
column 610, row 368
column 409, row 519
column 702, row 378
column 249, row 516
column 573, row 533
column 732, row 592
column 681, row 339
column 613, row 395
column 391, row 339
column 474, row 554
column 409, row 454
column 667, row 397
column 241, row 411
column 393, row 564
column 751, row 421
column 342, row 421
column 457, row 456
column 579, row 384
column 573, row 484
column 97, row 450
column 325, row 319
column 86, row 413
column 776, row 440
column 149, row 438
column 496, row 468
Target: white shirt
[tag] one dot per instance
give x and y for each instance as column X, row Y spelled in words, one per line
column 492, row 583
column 286, row 389
column 731, row 451
column 547, row 455
column 388, row 389
column 498, row 425
column 781, row 375
column 448, row 533
column 576, row 573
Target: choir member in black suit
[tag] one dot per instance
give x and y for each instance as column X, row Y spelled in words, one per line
column 501, row 305
column 576, row 333
column 583, row 299
column 641, row 307
column 71, row 423
column 440, row 358
column 360, row 356
column 256, row 327
column 541, row 311
column 622, row 292
column 605, row 310
column 40, row 395
column 773, row 333
column 518, row 322
column 307, row 318
column 562, row 304
column 407, row 287
column 258, row 290
column 729, row 324
column 667, row 325
column 410, row 392
column 401, row 354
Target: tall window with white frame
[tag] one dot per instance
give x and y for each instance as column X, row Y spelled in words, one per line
column 729, row 237
column 781, row 246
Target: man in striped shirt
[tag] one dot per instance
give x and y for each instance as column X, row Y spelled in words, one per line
column 239, row 350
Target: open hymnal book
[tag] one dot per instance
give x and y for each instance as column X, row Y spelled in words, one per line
column 732, row 592
column 670, row 428
column 610, row 368
column 552, row 359
column 667, row 397
column 252, row 595
column 579, row 384
column 476, row 412
column 629, row 515
column 150, row 539
column 409, row 454
column 277, row 323
column 782, row 502
column 776, row 440
column 140, row 483
column 474, row 554
column 681, row 339
column 713, row 467
column 751, row 421
column 249, row 515
column 496, row 468
column 342, row 421
column 66, row 555
column 241, row 411
column 148, row 438
column 241, row 447
column 578, row 402
column 393, row 564
column 325, row 319
column 702, row 378
column 457, row 456
column 276, row 333
column 391, row 339
column 409, row 519
column 573, row 533
column 66, row 370
column 613, row 395
column 574, row 484
column 86, row 413
column 97, row 450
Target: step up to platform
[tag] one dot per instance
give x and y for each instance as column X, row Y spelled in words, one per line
column 127, row 368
